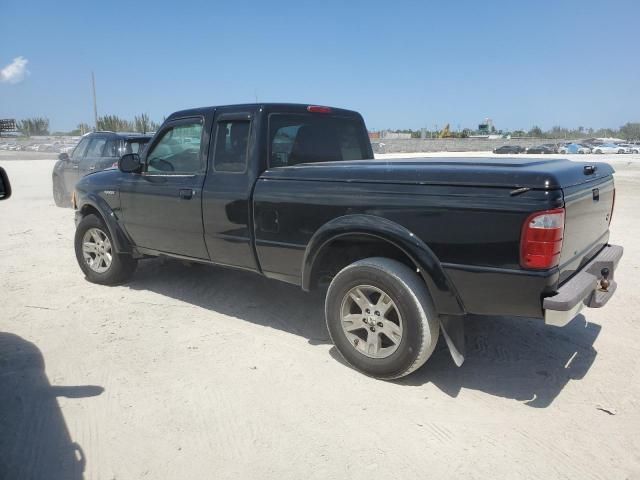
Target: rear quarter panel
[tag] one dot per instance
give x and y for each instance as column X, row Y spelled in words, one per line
column 470, row 229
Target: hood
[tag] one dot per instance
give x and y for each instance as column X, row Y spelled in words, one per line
column 473, row 171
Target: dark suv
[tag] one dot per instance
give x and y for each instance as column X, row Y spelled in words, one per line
column 96, row 151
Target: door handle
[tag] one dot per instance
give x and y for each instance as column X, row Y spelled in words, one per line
column 187, row 193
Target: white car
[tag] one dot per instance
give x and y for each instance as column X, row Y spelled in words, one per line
column 574, row 148
column 630, row 147
column 609, row 148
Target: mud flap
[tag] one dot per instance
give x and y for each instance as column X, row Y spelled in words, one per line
column 452, row 327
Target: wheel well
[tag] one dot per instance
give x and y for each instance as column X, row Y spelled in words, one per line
column 345, row 250
column 88, row 210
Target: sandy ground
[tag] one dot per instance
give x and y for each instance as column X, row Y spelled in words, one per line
column 196, row 372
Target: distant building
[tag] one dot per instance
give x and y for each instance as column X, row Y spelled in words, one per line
column 394, row 136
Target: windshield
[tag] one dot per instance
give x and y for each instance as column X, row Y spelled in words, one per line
column 300, row 138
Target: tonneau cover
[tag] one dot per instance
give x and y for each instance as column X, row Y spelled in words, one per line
column 535, row 173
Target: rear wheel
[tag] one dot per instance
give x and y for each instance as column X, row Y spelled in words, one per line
column 598, row 151
column 60, row 195
column 96, row 254
column 381, row 318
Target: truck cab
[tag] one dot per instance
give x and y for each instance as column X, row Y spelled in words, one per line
column 198, row 173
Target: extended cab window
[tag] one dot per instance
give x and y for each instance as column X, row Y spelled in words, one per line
column 314, row 138
column 232, row 140
column 178, row 150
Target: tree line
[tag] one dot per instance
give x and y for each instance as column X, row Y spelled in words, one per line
column 39, row 126
column 628, row 131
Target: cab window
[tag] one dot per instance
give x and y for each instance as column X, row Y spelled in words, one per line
column 303, row 138
column 232, row 140
column 178, row 150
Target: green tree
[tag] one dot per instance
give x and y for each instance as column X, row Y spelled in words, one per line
column 113, row 123
column 34, row 126
column 535, row 131
column 630, row 131
column 142, row 123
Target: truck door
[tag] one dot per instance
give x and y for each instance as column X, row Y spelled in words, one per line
column 226, row 197
column 162, row 207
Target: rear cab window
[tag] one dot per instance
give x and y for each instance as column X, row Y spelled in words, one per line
column 309, row 138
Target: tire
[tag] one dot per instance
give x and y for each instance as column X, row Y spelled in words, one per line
column 598, row 151
column 60, row 195
column 92, row 230
column 620, row 151
column 412, row 339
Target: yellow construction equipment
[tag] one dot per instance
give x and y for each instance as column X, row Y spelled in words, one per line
column 445, row 132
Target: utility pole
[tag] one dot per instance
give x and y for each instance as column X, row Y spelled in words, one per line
column 95, row 107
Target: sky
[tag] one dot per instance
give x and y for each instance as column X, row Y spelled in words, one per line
column 402, row 64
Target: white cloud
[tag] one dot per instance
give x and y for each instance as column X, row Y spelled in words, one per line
column 15, row 72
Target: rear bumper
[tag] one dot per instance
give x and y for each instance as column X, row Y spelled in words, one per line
column 583, row 289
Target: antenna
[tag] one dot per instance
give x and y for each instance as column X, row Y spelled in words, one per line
column 95, row 107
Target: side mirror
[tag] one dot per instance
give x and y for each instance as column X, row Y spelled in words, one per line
column 64, row 157
column 5, row 186
column 130, row 163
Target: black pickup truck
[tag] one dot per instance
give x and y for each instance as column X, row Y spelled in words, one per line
column 406, row 247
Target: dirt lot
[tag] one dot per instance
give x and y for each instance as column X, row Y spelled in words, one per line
column 196, row 372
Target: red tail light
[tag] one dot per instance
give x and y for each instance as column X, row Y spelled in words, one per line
column 541, row 239
column 318, row 109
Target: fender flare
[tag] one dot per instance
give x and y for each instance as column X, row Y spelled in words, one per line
column 442, row 290
column 122, row 243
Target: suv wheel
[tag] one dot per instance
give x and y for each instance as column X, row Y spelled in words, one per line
column 381, row 318
column 60, row 195
column 96, row 254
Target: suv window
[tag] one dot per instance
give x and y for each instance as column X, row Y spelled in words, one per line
column 96, row 146
column 232, row 140
column 112, row 148
column 78, row 152
column 309, row 138
column 178, row 150
column 135, row 146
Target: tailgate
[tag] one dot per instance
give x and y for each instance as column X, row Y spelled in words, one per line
column 586, row 230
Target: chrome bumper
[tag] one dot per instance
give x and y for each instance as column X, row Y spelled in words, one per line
column 584, row 289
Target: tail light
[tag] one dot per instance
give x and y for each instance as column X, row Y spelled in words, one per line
column 318, row 109
column 541, row 239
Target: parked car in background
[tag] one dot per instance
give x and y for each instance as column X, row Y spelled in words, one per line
column 630, row 148
column 544, row 149
column 608, row 148
column 574, row 148
column 96, row 151
column 509, row 149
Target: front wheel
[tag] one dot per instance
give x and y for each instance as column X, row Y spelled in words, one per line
column 96, row 254
column 381, row 318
